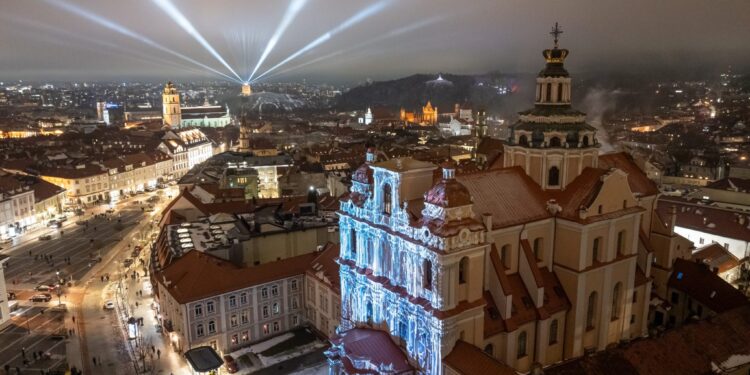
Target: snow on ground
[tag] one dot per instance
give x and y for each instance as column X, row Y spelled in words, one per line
column 263, row 345
column 289, row 354
column 321, row 369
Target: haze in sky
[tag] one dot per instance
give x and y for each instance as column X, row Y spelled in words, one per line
column 352, row 39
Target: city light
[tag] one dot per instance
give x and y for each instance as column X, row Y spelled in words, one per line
column 186, row 25
column 289, row 15
column 351, row 21
column 93, row 17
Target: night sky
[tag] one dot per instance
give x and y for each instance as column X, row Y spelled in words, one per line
column 48, row 40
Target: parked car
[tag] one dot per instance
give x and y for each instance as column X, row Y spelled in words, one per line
column 45, row 237
column 127, row 262
column 44, row 297
column 62, row 218
column 230, row 364
column 82, row 222
column 44, row 288
column 53, row 224
column 79, row 212
column 109, row 305
column 110, row 211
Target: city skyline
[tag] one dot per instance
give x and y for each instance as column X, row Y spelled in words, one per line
column 324, row 40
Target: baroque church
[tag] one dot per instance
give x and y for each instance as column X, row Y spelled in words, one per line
column 552, row 256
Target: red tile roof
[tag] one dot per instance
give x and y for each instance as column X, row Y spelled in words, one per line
column 508, row 194
column 197, row 275
column 716, row 256
column 448, row 193
column 638, row 181
column 704, row 286
column 467, row 359
column 325, row 268
column 375, row 348
column 692, row 215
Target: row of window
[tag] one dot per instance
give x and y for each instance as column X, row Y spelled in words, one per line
column 243, row 299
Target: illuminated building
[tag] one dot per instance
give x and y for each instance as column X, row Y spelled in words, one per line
column 187, row 147
column 428, row 116
column 4, row 307
column 537, row 262
column 246, row 89
column 171, row 111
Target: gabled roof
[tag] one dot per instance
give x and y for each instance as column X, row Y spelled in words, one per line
column 691, row 215
column 716, row 256
column 508, row 194
column 197, row 275
column 467, row 359
column 325, row 268
column 704, row 286
column 638, row 181
column 364, row 351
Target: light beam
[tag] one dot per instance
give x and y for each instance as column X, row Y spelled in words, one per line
column 186, row 25
column 351, row 21
column 294, row 8
column 93, row 17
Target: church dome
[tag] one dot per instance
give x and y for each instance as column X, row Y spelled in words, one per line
column 448, row 192
column 364, row 174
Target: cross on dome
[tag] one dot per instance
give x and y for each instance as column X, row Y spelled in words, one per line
column 556, row 31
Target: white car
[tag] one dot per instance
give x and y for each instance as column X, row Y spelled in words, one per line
column 109, row 305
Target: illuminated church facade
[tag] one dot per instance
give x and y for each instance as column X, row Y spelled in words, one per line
column 175, row 116
column 548, row 258
column 428, row 116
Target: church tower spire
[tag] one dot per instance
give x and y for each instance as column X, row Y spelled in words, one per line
column 552, row 141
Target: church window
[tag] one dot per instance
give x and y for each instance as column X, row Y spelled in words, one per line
column 427, row 274
column 462, row 270
column 559, row 92
column 539, row 248
column 353, row 242
column 554, row 142
column 505, row 255
column 554, row 177
column 621, row 242
column 595, row 249
column 591, row 311
column 616, row 301
column 522, row 345
column 585, row 141
column 523, row 140
column 387, row 199
column 553, row 332
column 549, row 93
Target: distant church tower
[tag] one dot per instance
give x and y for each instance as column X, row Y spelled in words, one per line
column 171, row 112
column 552, row 141
column 244, row 143
column 246, row 89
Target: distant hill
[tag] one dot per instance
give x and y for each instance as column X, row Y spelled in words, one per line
column 492, row 91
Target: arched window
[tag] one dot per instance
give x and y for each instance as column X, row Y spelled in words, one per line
column 463, row 268
column 522, row 344
column 553, row 332
column 489, row 349
column 553, row 178
column 505, row 255
column 549, row 93
column 591, row 311
column 595, row 249
column 621, row 242
column 353, row 243
column 523, row 140
column 585, row 141
column 387, row 200
column 554, row 142
column 368, row 311
column 559, row 92
column 539, row 248
column 616, row 301
column 427, row 274
column 539, row 92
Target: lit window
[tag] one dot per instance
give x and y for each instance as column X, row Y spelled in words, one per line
column 210, row 307
column 199, row 330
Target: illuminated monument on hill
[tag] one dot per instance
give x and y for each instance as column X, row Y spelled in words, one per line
column 246, row 90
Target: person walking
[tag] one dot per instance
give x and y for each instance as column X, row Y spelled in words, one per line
column 158, row 354
column 94, row 360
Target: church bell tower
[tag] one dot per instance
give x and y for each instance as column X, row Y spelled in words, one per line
column 171, row 112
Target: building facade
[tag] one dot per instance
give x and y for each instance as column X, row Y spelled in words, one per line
column 537, row 262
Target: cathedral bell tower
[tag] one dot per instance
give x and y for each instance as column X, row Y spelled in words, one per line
column 552, row 141
column 171, row 112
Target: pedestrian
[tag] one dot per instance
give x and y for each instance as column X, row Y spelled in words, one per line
column 94, row 359
column 23, row 352
column 153, row 348
column 158, row 354
column 18, row 370
column 74, row 318
column 35, row 356
column 7, row 369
